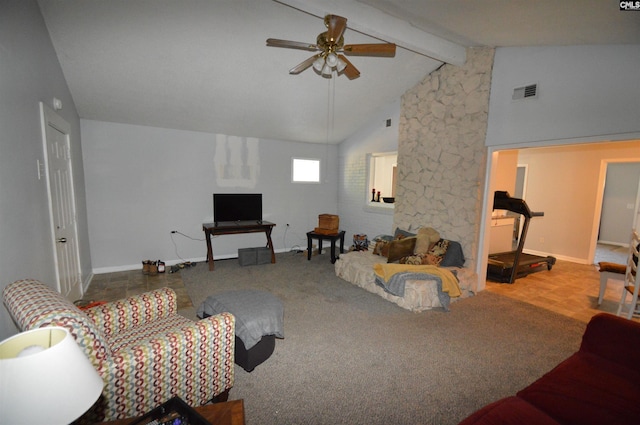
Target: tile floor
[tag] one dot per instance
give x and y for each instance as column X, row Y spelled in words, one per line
column 114, row 286
column 569, row 289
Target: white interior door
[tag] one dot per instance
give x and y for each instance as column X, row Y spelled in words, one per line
column 636, row 216
column 62, row 204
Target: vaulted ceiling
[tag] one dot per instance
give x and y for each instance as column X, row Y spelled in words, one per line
column 203, row 65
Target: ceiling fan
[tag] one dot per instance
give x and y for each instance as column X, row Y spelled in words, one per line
column 331, row 48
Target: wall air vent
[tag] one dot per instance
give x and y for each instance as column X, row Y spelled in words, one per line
column 525, row 92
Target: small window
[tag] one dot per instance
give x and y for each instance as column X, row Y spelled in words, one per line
column 383, row 169
column 305, row 170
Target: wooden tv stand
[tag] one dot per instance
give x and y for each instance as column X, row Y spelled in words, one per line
column 236, row 227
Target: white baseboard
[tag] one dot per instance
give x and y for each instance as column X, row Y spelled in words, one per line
column 138, row 266
column 558, row 257
column 624, row 245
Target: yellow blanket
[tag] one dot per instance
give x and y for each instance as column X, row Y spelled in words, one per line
column 449, row 282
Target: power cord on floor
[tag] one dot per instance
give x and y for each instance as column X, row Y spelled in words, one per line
column 175, row 246
column 294, row 248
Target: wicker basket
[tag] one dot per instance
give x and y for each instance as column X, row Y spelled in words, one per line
column 328, row 222
column 321, row 231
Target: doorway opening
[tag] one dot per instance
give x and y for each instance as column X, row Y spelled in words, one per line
column 563, row 181
column 620, row 186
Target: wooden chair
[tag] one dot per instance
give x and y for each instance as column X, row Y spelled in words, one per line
column 609, row 271
column 631, row 280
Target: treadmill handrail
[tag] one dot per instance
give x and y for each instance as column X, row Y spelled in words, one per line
column 503, row 201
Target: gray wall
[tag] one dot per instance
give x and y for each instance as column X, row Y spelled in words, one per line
column 584, row 93
column 29, row 74
column 143, row 182
column 356, row 214
column 587, row 94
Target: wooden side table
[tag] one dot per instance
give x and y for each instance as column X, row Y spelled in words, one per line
column 320, row 237
column 227, row 413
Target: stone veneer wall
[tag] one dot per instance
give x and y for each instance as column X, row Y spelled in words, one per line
column 442, row 154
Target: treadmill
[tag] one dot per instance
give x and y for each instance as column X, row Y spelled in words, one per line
column 506, row 267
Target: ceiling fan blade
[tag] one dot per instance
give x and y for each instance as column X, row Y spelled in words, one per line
column 336, row 26
column 381, row 49
column 350, row 71
column 304, row 65
column 274, row 42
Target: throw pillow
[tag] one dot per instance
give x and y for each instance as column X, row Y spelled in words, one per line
column 454, row 256
column 415, row 260
column 421, row 260
column 437, row 252
column 382, row 248
column 379, row 245
column 427, row 237
column 400, row 248
column 399, row 234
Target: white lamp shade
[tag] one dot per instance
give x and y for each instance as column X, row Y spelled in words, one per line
column 45, row 378
column 318, row 64
column 326, row 70
column 332, row 59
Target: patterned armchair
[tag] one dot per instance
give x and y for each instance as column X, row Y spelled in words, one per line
column 145, row 352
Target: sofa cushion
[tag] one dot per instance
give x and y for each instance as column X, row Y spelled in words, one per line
column 586, row 389
column 605, row 335
column 510, row 410
column 143, row 335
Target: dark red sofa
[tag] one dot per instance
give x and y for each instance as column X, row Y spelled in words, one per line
column 600, row 384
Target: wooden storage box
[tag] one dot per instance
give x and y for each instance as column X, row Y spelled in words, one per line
column 328, row 222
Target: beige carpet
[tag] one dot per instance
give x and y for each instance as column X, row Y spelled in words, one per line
column 350, row 357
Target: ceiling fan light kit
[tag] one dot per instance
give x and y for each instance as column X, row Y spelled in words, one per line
column 326, row 64
column 332, row 49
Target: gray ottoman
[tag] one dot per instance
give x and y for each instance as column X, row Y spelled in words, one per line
column 259, row 320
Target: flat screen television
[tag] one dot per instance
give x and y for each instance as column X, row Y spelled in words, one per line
column 237, row 207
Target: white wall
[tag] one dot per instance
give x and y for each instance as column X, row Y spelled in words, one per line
column 29, row 74
column 584, row 93
column 143, row 182
column 355, row 214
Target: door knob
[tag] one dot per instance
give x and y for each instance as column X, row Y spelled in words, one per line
column 62, row 240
